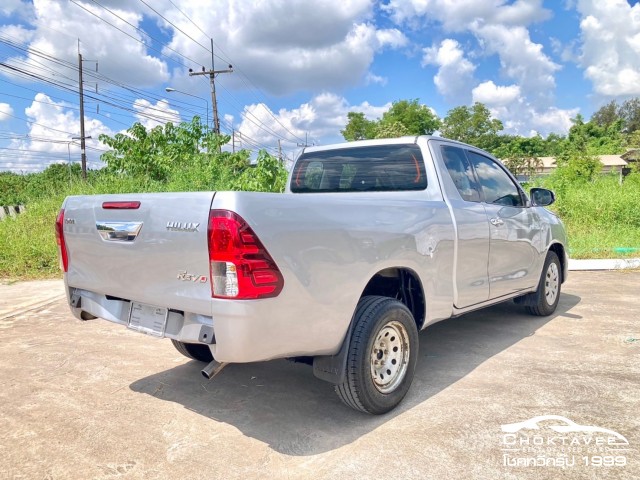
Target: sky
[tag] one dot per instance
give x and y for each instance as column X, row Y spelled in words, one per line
column 300, row 66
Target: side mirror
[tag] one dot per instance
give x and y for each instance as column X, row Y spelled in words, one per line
column 541, row 197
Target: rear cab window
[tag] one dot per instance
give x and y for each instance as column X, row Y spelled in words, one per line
column 379, row 168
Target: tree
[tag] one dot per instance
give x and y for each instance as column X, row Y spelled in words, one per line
column 405, row 117
column 575, row 163
column 416, row 118
column 187, row 157
column 472, row 125
column 521, row 154
column 630, row 113
column 554, row 144
column 155, row 153
column 607, row 114
column 358, row 127
column 391, row 130
column 595, row 139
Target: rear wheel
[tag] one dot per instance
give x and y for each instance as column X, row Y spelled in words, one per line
column 543, row 302
column 194, row 351
column 382, row 356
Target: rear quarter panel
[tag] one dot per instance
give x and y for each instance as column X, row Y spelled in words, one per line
column 328, row 246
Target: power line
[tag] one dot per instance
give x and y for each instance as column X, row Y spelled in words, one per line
column 116, row 98
column 192, row 22
column 243, row 75
column 144, row 33
column 126, row 33
column 72, row 89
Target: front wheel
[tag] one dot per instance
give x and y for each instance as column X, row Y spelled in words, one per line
column 382, row 356
column 543, row 302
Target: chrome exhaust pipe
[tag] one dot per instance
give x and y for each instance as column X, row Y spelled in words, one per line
column 212, row 369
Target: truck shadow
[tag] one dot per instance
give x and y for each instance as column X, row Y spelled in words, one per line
column 284, row 405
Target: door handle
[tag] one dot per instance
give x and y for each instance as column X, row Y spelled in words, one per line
column 496, row 222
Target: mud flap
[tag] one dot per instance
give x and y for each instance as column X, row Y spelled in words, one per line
column 333, row 368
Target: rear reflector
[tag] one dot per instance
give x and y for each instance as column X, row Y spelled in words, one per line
column 62, row 245
column 120, row 205
column 240, row 266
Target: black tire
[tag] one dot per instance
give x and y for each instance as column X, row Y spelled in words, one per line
column 543, row 302
column 384, row 342
column 193, row 351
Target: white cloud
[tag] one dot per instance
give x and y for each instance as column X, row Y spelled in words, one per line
column 372, row 79
column 491, row 94
column 321, row 118
column 51, row 128
column 9, row 7
column 610, row 51
column 17, row 33
column 56, row 25
column 521, row 60
column 520, row 116
column 457, row 15
column 523, row 118
column 501, row 29
column 5, row 111
column 455, row 72
column 151, row 115
column 287, row 46
column 554, row 120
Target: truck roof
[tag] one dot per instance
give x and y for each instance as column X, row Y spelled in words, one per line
column 379, row 141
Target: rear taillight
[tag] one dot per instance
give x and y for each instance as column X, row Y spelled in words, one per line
column 240, row 266
column 62, row 246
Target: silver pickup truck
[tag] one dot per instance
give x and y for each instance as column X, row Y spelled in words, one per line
column 372, row 242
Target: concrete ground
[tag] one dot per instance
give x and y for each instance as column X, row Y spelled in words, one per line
column 82, row 400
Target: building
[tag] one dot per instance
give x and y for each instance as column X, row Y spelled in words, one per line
column 610, row 163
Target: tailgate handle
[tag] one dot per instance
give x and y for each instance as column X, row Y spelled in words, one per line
column 119, row 231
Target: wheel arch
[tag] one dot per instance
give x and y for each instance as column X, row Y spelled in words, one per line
column 403, row 284
column 400, row 283
column 560, row 251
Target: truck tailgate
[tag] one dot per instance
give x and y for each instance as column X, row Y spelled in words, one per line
column 155, row 251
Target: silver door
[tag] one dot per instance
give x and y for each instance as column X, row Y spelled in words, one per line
column 473, row 234
column 512, row 256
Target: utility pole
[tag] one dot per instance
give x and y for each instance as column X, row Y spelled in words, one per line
column 306, row 141
column 279, row 151
column 212, row 80
column 82, row 137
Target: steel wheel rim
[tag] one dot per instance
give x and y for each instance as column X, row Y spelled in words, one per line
column 551, row 284
column 389, row 357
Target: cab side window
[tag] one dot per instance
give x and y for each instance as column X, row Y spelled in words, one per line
column 461, row 173
column 497, row 186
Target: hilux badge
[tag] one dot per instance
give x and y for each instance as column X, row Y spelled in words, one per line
column 182, row 226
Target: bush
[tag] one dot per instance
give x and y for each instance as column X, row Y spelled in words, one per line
column 12, row 189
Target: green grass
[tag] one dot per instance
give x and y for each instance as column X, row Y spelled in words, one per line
column 602, row 217
column 603, row 242
column 28, row 247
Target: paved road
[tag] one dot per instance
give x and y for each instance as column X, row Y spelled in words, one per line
column 85, row 400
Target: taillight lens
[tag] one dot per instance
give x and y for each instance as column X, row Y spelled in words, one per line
column 240, row 266
column 62, row 246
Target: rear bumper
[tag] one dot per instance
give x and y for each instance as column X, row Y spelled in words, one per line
column 183, row 326
column 240, row 332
